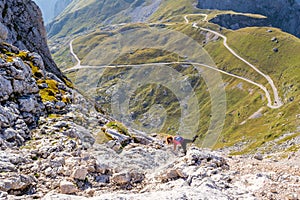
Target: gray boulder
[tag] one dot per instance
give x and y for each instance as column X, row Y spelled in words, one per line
column 3, row 32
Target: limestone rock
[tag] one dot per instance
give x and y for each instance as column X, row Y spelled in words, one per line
column 6, row 88
column 258, row 156
column 3, row 32
column 80, row 173
column 9, row 134
column 121, row 178
column 17, row 182
column 67, row 187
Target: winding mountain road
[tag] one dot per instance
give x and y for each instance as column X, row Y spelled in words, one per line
column 168, row 63
column 74, row 55
column 277, row 103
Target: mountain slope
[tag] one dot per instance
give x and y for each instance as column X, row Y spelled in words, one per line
column 284, row 14
column 85, row 15
column 51, row 9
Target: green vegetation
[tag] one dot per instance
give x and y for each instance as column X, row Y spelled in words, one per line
column 255, row 45
column 170, row 8
column 121, row 128
column 48, row 94
column 63, row 57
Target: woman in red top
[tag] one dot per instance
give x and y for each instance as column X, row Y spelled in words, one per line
column 178, row 140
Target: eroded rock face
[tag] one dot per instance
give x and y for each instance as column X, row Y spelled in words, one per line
column 21, row 24
column 284, row 14
column 22, row 99
column 20, row 102
column 235, row 22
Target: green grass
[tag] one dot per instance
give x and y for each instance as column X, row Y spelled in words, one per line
column 171, row 8
column 121, row 128
column 63, row 57
column 254, row 44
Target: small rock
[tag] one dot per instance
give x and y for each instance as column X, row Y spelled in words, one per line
column 43, row 85
column 258, row 156
column 90, row 192
column 67, row 187
column 102, row 179
column 28, row 103
column 61, row 124
column 292, row 196
column 80, row 173
column 60, row 105
column 137, row 177
column 3, row 194
column 275, row 50
column 16, row 182
column 121, row 178
column 273, row 190
column 274, row 39
column 9, row 134
column 48, row 171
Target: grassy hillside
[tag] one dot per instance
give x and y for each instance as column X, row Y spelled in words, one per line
column 283, row 66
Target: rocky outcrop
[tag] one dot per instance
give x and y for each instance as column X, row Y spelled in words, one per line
column 20, row 102
column 284, row 14
column 235, row 21
column 22, row 23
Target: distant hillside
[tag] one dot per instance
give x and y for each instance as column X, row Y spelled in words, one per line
column 284, row 14
column 83, row 15
column 51, row 9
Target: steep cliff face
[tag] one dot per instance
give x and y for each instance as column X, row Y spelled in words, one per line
column 22, row 25
column 284, row 14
